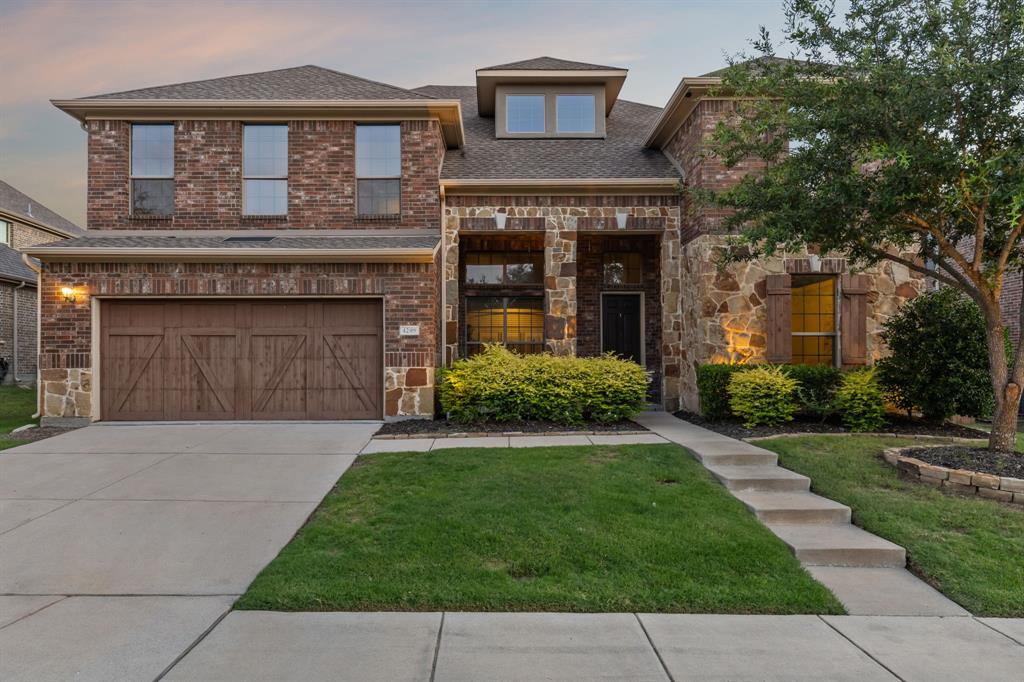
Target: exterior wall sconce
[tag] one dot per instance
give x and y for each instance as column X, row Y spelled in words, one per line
column 499, row 219
column 620, row 219
column 69, row 295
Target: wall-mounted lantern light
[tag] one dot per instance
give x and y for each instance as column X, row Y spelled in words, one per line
column 69, row 295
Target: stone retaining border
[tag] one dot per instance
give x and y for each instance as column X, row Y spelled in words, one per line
column 505, row 434
column 960, row 481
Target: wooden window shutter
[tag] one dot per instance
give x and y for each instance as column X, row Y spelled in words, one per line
column 780, row 319
column 854, row 320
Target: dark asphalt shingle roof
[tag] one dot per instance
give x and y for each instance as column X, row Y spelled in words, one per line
column 620, row 155
column 12, row 267
column 550, row 64
column 17, row 203
column 369, row 242
column 298, row 83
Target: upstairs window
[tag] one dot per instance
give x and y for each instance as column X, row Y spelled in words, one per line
column 575, row 113
column 5, row 232
column 514, row 268
column 378, row 170
column 265, row 170
column 152, row 171
column 524, row 113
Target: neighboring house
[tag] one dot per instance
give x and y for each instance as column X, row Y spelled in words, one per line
column 306, row 244
column 24, row 222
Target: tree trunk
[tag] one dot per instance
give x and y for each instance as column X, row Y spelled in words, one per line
column 1007, row 394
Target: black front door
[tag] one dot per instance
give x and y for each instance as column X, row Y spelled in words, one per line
column 621, row 325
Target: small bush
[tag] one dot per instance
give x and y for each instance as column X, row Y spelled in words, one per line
column 816, row 392
column 763, row 395
column 861, row 400
column 713, row 389
column 938, row 360
column 499, row 385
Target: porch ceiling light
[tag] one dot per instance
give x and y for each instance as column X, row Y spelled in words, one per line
column 69, row 294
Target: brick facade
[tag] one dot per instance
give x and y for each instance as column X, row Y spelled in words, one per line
column 409, row 291
column 208, row 178
column 25, row 367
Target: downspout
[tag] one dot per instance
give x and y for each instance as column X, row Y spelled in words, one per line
column 39, row 338
column 14, row 330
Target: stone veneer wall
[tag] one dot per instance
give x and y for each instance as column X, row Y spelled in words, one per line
column 725, row 313
column 561, row 219
column 409, row 291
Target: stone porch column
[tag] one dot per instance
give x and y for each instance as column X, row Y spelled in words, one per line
column 451, row 288
column 560, row 285
column 673, row 352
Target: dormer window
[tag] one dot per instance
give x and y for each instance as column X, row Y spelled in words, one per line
column 576, row 113
column 524, row 113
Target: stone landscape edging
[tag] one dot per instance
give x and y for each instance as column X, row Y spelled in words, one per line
column 959, row 481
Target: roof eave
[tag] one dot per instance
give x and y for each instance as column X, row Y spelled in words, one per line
column 487, row 79
column 679, row 106
column 447, row 112
column 233, row 255
column 456, row 186
column 19, row 217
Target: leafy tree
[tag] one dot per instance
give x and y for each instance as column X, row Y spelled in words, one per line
column 938, row 361
column 911, row 117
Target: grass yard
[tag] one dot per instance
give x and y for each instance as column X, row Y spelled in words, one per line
column 16, row 408
column 970, row 548
column 592, row 529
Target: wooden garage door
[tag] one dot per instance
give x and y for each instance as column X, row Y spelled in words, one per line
column 191, row 360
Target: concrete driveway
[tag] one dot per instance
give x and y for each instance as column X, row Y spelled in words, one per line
column 121, row 545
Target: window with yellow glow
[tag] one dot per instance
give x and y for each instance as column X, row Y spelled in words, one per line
column 814, row 320
column 515, row 321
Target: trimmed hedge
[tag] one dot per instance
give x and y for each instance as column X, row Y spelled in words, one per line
column 502, row 386
column 816, row 392
column 763, row 396
column 713, row 389
column 861, row 401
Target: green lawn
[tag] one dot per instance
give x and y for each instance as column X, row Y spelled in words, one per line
column 971, row 549
column 631, row 528
column 17, row 405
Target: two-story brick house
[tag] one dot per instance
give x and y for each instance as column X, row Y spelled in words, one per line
column 305, row 244
column 24, row 222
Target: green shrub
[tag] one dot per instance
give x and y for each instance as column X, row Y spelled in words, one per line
column 938, row 360
column 713, row 389
column 816, row 392
column 861, row 400
column 499, row 385
column 763, row 395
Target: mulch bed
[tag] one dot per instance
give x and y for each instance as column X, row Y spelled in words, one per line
column 900, row 425
column 38, row 433
column 1009, row 464
column 442, row 427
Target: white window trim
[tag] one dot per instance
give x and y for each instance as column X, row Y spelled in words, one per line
column 359, row 213
column 245, row 208
column 132, row 176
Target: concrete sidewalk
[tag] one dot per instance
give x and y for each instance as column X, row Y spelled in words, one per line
column 525, row 441
column 479, row 647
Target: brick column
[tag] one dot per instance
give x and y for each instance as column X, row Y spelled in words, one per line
column 560, row 285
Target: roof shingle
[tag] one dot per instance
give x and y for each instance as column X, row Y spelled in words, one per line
column 306, row 83
column 19, row 204
column 620, row 155
column 550, row 64
column 13, row 268
column 356, row 242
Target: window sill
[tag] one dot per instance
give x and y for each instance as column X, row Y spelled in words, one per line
column 265, row 217
column 390, row 217
column 151, row 216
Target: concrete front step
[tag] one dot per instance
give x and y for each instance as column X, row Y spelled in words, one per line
column 767, row 459
column 839, row 545
column 763, row 478
column 793, row 508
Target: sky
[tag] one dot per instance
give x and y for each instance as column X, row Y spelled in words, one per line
column 59, row 49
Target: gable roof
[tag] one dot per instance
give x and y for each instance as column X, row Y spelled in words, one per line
column 306, row 83
column 550, row 64
column 24, row 208
column 620, row 155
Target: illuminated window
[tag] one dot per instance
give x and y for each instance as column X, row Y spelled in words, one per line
column 622, row 268
column 510, row 268
column 814, row 320
column 514, row 321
